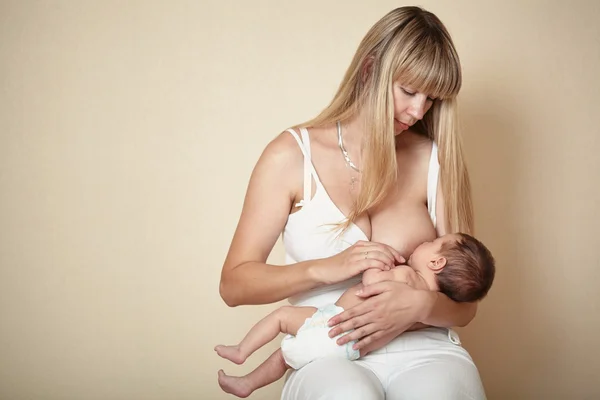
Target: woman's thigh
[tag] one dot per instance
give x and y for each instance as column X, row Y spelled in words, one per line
column 442, row 379
column 333, row 379
column 433, row 365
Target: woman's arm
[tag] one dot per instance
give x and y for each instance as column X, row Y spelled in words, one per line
column 391, row 308
column 444, row 312
column 246, row 278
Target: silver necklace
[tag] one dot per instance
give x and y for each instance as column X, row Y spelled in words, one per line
column 344, row 152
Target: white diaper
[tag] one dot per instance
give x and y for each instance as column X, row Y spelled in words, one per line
column 313, row 342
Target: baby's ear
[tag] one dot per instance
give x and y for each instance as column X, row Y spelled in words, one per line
column 437, row 264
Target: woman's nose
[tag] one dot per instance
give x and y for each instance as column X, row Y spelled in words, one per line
column 417, row 109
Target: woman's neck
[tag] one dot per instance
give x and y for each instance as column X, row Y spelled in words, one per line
column 353, row 133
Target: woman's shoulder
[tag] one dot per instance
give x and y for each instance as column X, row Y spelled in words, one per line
column 279, row 165
column 282, row 151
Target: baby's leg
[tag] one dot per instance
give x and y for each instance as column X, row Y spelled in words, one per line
column 268, row 372
column 286, row 319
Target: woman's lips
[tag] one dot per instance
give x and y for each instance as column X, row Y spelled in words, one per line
column 402, row 125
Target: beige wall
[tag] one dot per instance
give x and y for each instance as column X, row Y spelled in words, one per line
column 128, row 131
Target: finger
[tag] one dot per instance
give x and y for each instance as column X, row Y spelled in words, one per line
column 357, row 334
column 392, row 253
column 376, row 255
column 395, row 254
column 366, row 263
column 381, row 248
column 353, row 323
column 345, row 315
column 367, row 340
column 361, row 263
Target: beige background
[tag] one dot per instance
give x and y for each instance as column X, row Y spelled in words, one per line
column 128, row 131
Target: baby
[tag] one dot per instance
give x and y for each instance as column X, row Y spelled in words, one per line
column 457, row 265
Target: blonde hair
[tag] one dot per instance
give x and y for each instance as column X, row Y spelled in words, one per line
column 412, row 46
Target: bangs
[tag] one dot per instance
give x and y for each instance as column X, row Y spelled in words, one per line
column 431, row 66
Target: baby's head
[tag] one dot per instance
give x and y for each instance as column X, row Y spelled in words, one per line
column 457, row 265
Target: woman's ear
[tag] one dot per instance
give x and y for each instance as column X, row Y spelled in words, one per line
column 367, row 68
column 437, row 264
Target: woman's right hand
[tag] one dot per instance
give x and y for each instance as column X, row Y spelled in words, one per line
column 357, row 258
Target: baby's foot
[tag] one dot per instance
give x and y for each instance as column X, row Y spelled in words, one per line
column 235, row 385
column 232, row 353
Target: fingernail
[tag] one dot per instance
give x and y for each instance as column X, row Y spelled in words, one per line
column 358, row 292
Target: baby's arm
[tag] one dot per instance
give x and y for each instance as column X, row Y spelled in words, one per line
column 374, row 275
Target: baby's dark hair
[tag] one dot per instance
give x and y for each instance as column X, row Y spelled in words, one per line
column 469, row 270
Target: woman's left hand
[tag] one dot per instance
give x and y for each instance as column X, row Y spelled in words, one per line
column 390, row 308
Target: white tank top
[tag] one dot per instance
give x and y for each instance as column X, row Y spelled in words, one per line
column 310, row 233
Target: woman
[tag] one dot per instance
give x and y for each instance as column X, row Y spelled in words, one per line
column 359, row 187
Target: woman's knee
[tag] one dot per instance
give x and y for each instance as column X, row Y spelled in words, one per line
column 333, row 379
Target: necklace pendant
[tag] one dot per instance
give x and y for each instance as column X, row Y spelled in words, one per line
column 343, row 149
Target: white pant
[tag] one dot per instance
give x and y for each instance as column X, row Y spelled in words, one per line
column 420, row 365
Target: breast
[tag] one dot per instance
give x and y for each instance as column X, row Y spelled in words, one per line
column 403, row 226
column 311, row 233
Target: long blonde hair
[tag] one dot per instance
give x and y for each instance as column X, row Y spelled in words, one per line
column 412, row 46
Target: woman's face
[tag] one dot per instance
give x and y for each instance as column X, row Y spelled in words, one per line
column 409, row 106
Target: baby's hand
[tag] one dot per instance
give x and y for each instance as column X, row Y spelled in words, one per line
column 374, row 275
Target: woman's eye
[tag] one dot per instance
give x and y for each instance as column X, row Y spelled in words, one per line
column 409, row 93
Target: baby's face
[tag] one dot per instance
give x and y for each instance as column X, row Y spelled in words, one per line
column 422, row 259
column 424, row 253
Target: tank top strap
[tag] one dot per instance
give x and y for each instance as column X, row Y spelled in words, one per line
column 306, row 140
column 309, row 169
column 432, row 182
